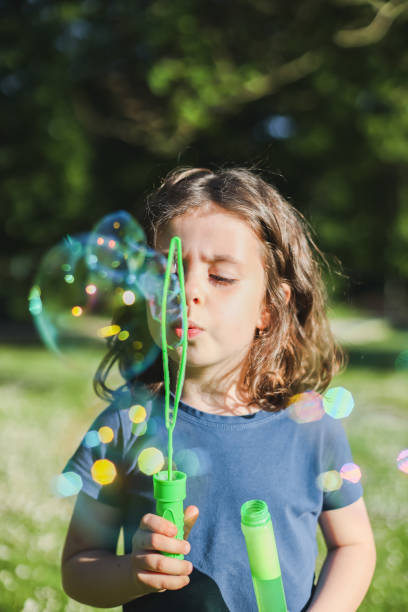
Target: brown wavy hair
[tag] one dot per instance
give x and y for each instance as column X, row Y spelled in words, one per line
column 298, row 351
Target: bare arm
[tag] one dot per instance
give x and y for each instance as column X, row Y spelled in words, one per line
column 93, row 574
column 350, row 562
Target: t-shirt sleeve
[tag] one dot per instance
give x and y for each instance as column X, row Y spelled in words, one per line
column 98, row 459
column 339, row 478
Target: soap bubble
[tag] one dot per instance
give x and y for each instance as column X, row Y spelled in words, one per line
column 338, row 402
column 101, row 290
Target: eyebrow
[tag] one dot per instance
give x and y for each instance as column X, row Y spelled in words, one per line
column 217, row 258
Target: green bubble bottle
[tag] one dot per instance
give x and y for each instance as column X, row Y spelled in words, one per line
column 169, row 487
column 256, row 525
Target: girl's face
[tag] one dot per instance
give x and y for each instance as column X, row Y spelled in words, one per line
column 225, row 298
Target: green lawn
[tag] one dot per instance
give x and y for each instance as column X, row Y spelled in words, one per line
column 47, row 405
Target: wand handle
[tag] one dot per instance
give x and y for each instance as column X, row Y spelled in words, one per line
column 169, row 496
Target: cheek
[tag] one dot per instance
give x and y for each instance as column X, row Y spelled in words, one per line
column 237, row 311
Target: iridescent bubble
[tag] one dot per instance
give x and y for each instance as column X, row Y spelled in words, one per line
column 150, row 461
column 401, row 362
column 120, row 228
column 88, row 314
column 103, row 471
column 102, row 291
column 338, row 402
column 306, row 407
column 350, row 472
column 329, row 481
column 67, row 484
column 402, row 461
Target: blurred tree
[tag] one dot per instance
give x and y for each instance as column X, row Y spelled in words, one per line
column 101, row 99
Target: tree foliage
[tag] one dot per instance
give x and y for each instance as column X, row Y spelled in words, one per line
column 99, row 100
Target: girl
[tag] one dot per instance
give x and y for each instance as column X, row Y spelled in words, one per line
column 258, row 336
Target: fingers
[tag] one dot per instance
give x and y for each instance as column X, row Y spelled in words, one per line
column 162, row 564
column 162, row 582
column 146, row 540
column 153, row 522
column 190, row 516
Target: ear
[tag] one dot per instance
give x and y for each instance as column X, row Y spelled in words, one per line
column 265, row 317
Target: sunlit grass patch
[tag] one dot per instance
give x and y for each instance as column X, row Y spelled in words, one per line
column 47, row 407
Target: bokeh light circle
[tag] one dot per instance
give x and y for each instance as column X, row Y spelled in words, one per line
column 103, row 471
column 329, row 481
column 105, row 434
column 150, row 461
column 402, row 461
column 137, row 413
column 67, row 484
column 338, row 402
column 350, row 472
column 305, row 407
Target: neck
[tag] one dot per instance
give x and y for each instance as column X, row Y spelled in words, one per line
column 211, row 391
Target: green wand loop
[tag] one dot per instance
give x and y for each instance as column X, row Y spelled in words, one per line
column 170, row 487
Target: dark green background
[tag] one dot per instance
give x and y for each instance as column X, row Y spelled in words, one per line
column 100, row 99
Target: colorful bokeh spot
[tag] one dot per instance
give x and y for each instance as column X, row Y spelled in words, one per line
column 402, row 461
column 105, row 434
column 123, row 335
column 91, row 439
column 103, row 471
column 306, row 407
column 150, row 461
column 137, row 413
column 188, row 462
column 91, row 289
column 67, row 484
column 76, row 311
column 108, row 331
column 350, row 472
column 338, row 402
column 329, row 481
column 139, row 429
column 128, row 297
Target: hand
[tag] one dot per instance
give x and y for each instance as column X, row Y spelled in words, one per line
column 152, row 571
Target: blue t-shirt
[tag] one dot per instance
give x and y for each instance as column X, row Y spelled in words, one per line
column 228, row 460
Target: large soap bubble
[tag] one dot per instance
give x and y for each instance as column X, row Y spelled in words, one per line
column 98, row 290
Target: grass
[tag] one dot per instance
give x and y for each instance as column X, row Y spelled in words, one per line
column 47, row 405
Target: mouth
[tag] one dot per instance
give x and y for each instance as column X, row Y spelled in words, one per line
column 191, row 332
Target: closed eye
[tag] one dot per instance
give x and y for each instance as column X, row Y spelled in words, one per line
column 221, row 279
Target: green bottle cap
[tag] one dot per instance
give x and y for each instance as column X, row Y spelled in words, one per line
column 169, row 490
column 255, row 512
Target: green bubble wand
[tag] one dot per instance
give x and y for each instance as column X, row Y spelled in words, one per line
column 170, row 486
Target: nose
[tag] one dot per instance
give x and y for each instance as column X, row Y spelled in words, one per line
column 193, row 287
